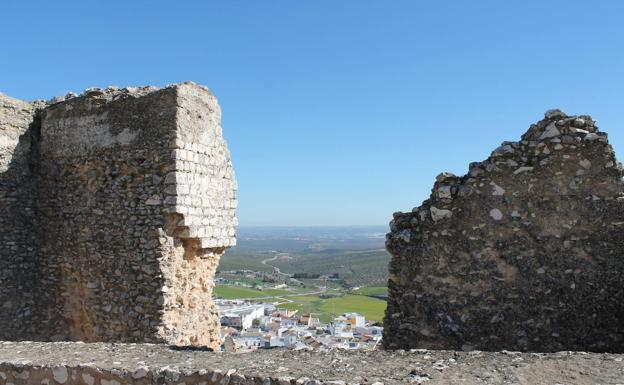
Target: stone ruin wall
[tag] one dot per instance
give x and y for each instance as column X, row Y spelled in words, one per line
column 18, row 239
column 525, row 252
column 133, row 202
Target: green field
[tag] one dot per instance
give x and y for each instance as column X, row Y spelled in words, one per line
column 372, row 291
column 235, row 292
column 314, row 255
column 371, row 308
column 324, row 308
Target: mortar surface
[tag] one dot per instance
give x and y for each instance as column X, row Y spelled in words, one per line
column 101, row 363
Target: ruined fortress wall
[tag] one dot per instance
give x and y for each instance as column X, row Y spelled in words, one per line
column 522, row 253
column 200, row 206
column 104, row 157
column 135, row 198
column 18, row 240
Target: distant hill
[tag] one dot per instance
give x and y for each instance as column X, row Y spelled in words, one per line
column 355, row 253
column 355, row 267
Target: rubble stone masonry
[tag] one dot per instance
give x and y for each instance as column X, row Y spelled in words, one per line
column 525, row 252
column 74, row 363
column 116, row 207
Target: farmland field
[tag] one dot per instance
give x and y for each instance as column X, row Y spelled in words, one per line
column 343, row 268
column 372, row 291
column 352, row 256
column 325, row 308
column 354, row 267
column 244, row 260
column 371, row 308
column 233, row 292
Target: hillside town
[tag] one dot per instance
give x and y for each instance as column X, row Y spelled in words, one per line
column 247, row 326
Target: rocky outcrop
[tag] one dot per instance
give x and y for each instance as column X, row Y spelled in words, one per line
column 525, row 252
column 131, row 202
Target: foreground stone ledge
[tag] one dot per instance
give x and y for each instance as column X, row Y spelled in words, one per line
column 114, row 364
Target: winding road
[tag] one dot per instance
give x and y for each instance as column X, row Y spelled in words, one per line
column 277, row 269
column 283, row 296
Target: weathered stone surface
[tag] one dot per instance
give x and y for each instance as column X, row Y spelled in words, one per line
column 18, row 237
column 101, row 364
column 530, row 256
column 126, row 202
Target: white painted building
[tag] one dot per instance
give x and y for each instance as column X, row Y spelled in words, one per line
column 355, row 319
column 240, row 316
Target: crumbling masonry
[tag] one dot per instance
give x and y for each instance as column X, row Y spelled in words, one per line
column 525, row 252
column 115, row 207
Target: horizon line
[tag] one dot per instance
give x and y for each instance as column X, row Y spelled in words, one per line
column 303, row 225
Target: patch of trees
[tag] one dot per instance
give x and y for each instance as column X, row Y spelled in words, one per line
column 306, row 275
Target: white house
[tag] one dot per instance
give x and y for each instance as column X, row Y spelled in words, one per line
column 241, row 317
column 355, row 319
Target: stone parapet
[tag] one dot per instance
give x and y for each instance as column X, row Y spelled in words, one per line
column 115, row 364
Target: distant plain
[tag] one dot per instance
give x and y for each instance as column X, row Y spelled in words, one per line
column 344, row 269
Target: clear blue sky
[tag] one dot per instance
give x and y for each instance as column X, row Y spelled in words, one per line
column 337, row 112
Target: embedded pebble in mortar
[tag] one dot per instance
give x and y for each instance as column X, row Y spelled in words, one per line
column 497, row 190
column 496, row 214
column 439, row 214
column 554, row 113
column 88, row 379
column 444, row 192
column 140, row 372
column 60, row 374
column 550, row 132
